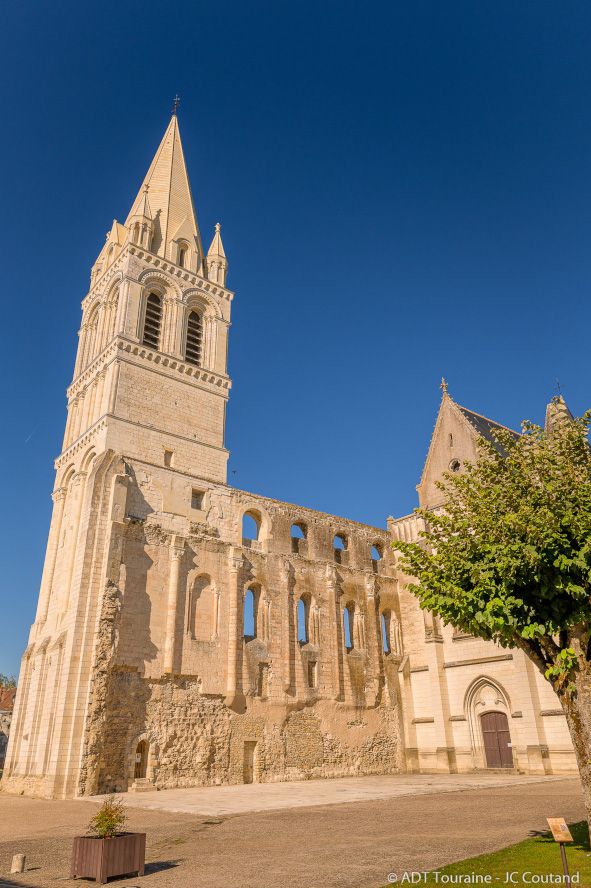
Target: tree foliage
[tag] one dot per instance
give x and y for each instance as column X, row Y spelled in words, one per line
column 7, row 681
column 509, row 557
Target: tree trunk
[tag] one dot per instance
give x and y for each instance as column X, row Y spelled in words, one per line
column 577, row 708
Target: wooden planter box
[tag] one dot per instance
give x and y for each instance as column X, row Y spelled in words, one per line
column 94, row 858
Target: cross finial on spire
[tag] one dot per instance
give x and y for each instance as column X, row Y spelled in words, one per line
column 175, row 104
column 217, row 226
column 443, row 385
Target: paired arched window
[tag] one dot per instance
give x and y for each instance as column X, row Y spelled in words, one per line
column 194, row 340
column 152, row 321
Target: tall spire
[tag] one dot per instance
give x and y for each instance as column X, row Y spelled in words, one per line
column 217, row 264
column 171, row 203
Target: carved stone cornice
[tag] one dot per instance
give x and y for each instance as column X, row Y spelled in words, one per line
column 80, row 443
column 175, row 367
column 181, row 273
column 102, row 359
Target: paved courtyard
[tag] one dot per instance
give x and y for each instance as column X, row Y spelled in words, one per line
column 223, row 801
column 323, row 834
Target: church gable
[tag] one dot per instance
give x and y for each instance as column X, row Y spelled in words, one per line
column 452, row 443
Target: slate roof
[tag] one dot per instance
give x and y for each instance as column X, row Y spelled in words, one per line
column 484, row 427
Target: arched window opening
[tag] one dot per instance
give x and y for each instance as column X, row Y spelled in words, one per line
column 183, row 254
column 298, row 533
column 451, row 440
column 348, row 625
column 153, row 320
column 386, row 622
column 339, row 545
column 303, row 611
column 194, row 343
column 141, row 760
column 377, row 553
column 250, row 613
column 251, row 526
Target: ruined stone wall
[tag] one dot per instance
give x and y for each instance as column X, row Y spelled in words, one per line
column 207, row 696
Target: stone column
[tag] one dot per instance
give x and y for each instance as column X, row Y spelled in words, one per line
column 101, row 328
column 216, row 612
column 77, row 487
column 176, row 553
column 233, row 696
column 335, row 608
column 115, row 366
column 209, row 342
column 79, row 411
column 122, row 301
column 82, row 336
column 444, row 750
column 98, row 405
column 373, row 640
column 290, row 631
column 69, row 422
column 59, row 498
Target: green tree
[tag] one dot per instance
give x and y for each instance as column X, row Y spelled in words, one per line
column 7, row 681
column 509, row 558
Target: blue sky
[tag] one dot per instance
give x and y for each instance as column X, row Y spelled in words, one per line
column 405, row 192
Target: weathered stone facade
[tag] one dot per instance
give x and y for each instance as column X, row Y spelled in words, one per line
column 173, row 648
column 7, row 696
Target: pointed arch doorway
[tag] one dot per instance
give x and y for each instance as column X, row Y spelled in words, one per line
column 497, row 740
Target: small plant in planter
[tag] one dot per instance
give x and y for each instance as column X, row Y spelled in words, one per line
column 109, row 851
column 109, row 820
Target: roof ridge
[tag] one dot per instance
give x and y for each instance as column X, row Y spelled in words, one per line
column 482, row 416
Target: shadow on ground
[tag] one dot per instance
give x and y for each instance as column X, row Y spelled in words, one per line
column 579, row 832
column 158, row 866
column 155, row 866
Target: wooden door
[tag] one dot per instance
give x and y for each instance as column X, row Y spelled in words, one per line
column 497, row 740
column 249, row 751
column 141, row 760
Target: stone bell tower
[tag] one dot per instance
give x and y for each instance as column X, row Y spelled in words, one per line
column 150, row 378
column 150, row 384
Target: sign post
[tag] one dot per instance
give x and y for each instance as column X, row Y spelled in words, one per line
column 561, row 834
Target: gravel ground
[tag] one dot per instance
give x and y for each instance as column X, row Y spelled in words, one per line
column 353, row 845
